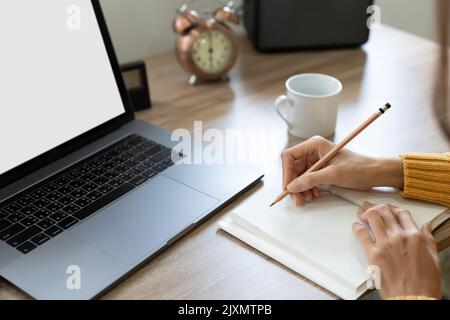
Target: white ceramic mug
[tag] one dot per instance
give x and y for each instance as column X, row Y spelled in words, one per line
column 310, row 106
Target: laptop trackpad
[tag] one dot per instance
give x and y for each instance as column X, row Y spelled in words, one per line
column 143, row 221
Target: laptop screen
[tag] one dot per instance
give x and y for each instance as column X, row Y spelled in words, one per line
column 56, row 80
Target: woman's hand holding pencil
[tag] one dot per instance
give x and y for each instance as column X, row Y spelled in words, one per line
column 394, row 239
column 344, row 168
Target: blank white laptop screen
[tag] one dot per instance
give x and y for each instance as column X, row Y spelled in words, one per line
column 56, row 81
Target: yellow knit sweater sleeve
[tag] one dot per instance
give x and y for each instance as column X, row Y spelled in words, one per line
column 411, row 298
column 427, row 177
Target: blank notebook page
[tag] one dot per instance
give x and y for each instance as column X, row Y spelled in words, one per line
column 319, row 233
column 422, row 211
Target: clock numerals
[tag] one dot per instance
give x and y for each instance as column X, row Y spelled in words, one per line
column 212, row 51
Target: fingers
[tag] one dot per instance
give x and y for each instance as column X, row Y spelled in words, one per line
column 403, row 216
column 372, row 216
column 295, row 161
column 292, row 156
column 364, row 238
column 376, row 224
column 288, row 162
column 310, row 180
column 426, row 230
column 314, row 144
column 385, row 212
column 365, row 206
column 298, row 199
column 405, row 219
column 308, row 196
column 316, row 192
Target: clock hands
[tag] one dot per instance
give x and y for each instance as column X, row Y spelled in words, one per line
column 211, row 51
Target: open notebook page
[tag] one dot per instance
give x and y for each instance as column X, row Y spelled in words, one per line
column 422, row 211
column 319, row 233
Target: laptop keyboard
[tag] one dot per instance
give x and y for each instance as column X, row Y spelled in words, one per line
column 46, row 209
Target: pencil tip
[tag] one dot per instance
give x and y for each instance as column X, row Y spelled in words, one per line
column 271, row 205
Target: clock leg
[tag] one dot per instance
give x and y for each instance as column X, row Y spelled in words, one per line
column 192, row 80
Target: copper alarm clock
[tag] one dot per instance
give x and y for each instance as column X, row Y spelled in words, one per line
column 206, row 46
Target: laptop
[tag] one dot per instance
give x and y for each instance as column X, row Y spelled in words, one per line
column 87, row 193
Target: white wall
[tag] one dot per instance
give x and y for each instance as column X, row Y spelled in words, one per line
column 140, row 27
column 415, row 16
column 143, row 27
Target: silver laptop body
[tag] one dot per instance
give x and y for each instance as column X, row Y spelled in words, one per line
column 97, row 250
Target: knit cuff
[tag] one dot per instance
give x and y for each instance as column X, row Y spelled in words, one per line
column 427, row 177
column 411, row 298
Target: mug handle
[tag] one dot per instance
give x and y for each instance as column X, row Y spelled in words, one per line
column 280, row 105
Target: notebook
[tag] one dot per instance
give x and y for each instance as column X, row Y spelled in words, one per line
column 316, row 240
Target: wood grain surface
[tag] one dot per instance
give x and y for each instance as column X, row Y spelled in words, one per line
column 207, row 263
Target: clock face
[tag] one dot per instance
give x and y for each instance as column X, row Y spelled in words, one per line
column 212, row 52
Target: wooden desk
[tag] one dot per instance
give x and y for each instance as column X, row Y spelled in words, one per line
column 208, row 263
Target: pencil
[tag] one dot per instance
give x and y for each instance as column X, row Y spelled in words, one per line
column 330, row 155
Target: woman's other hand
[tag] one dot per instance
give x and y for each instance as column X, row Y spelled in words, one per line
column 407, row 257
column 347, row 169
